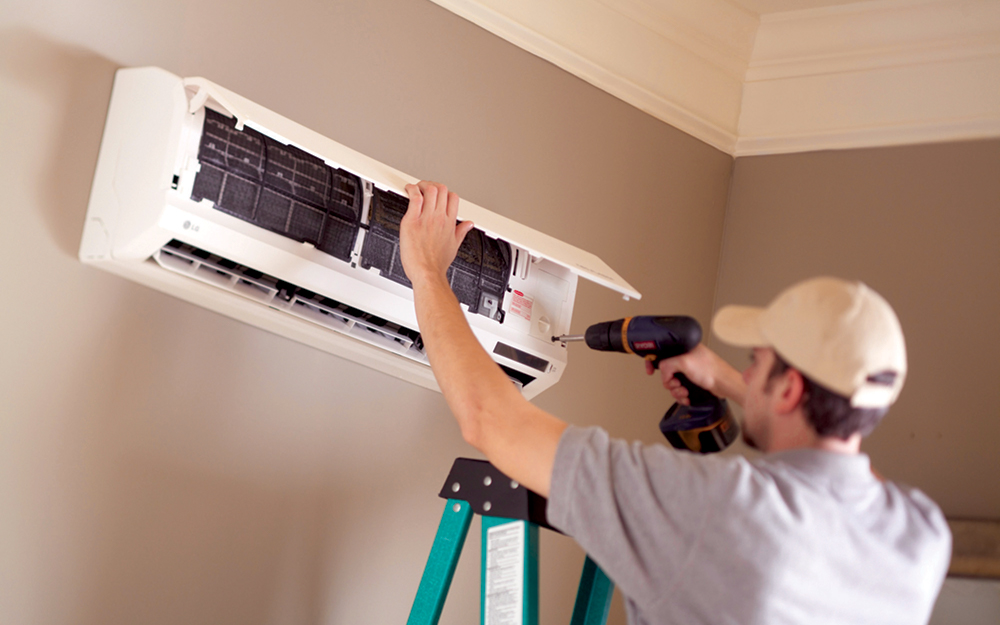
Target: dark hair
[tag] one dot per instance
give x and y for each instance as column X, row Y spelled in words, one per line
column 829, row 413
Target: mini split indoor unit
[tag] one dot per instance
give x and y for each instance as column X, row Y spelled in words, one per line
column 202, row 194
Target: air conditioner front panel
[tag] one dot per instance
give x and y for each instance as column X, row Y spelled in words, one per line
column 539, row 244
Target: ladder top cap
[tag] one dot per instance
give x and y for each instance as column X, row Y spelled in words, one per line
column 491, row 493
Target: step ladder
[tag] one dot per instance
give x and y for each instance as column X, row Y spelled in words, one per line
column 511, row 516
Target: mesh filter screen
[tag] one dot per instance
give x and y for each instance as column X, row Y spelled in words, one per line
column 286, row 190
column 278, row 187
column 478, row 276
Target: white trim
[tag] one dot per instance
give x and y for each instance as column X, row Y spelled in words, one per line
column 852, row 8
column 903, row 134
column 856, row 61
column 886, row 72
column 873, row 74
column 870, row 35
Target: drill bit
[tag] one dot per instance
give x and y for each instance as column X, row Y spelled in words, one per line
column 568, row 338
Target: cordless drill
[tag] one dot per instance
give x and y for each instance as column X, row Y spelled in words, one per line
column 706, row 425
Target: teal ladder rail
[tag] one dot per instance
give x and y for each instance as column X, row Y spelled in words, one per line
column 511, row 517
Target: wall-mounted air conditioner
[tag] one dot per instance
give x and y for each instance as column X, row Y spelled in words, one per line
column 205, row 195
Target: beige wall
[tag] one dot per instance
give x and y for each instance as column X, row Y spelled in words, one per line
column 921, row 225
column 163, row 464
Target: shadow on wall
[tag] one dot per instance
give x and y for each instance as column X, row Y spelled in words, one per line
column 129, row 515
column 190, row 547
column 78, row 81
column 190, row 542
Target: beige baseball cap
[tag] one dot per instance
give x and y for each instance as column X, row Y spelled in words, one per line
column 842, row 335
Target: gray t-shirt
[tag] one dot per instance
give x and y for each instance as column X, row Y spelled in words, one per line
column 800, row 536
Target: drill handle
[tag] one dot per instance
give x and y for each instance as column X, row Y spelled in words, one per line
column 696, row 394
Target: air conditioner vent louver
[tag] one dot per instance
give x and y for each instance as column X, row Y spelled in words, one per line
column 210, row 268
column 207, row 267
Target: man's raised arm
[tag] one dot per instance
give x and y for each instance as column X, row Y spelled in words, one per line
column 517, row 437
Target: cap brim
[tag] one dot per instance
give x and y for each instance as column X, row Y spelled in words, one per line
column 739, row 326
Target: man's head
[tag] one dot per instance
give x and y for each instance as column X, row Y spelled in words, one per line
column 832, row 348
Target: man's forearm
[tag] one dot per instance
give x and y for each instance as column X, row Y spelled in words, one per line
column 706, row 369
column 730, row 384
column 516, row 436
column 466, row 374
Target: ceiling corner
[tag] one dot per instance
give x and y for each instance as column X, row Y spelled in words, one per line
column 829, row 76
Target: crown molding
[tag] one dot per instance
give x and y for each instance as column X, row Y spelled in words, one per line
column 872, row 74
column 849, row 139
column 885, row 72
column 871, row 35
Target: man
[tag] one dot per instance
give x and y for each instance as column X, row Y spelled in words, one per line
column 805, row 534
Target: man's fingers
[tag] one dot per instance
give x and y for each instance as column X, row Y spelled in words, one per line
column 416, row 199
column 431, row 198
column 442, row 199
column 435, row 196
column 430, row 192
column 679, row 393
column 668, row 368
column 463, row 229
column 452, row 207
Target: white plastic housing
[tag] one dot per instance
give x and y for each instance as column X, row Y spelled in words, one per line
column 141, row 201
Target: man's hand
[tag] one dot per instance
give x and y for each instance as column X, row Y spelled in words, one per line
column 706, row 369
column 428, row 235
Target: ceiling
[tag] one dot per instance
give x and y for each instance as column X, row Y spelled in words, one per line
column 772, row 76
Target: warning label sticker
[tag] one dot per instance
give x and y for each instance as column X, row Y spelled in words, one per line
column 504, row 574
column 520, row 305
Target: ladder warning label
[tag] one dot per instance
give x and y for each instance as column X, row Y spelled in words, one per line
column 520, row 305
column 504, row 574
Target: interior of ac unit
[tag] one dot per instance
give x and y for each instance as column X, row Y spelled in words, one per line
column 288, row 191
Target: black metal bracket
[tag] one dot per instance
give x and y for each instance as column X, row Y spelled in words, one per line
column 489, row 492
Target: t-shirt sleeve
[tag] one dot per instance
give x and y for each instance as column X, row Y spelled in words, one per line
column 638, row 510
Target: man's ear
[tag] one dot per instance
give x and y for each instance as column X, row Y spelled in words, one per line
column 790, row 391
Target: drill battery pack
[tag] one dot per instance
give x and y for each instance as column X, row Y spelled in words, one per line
column 702, row 429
